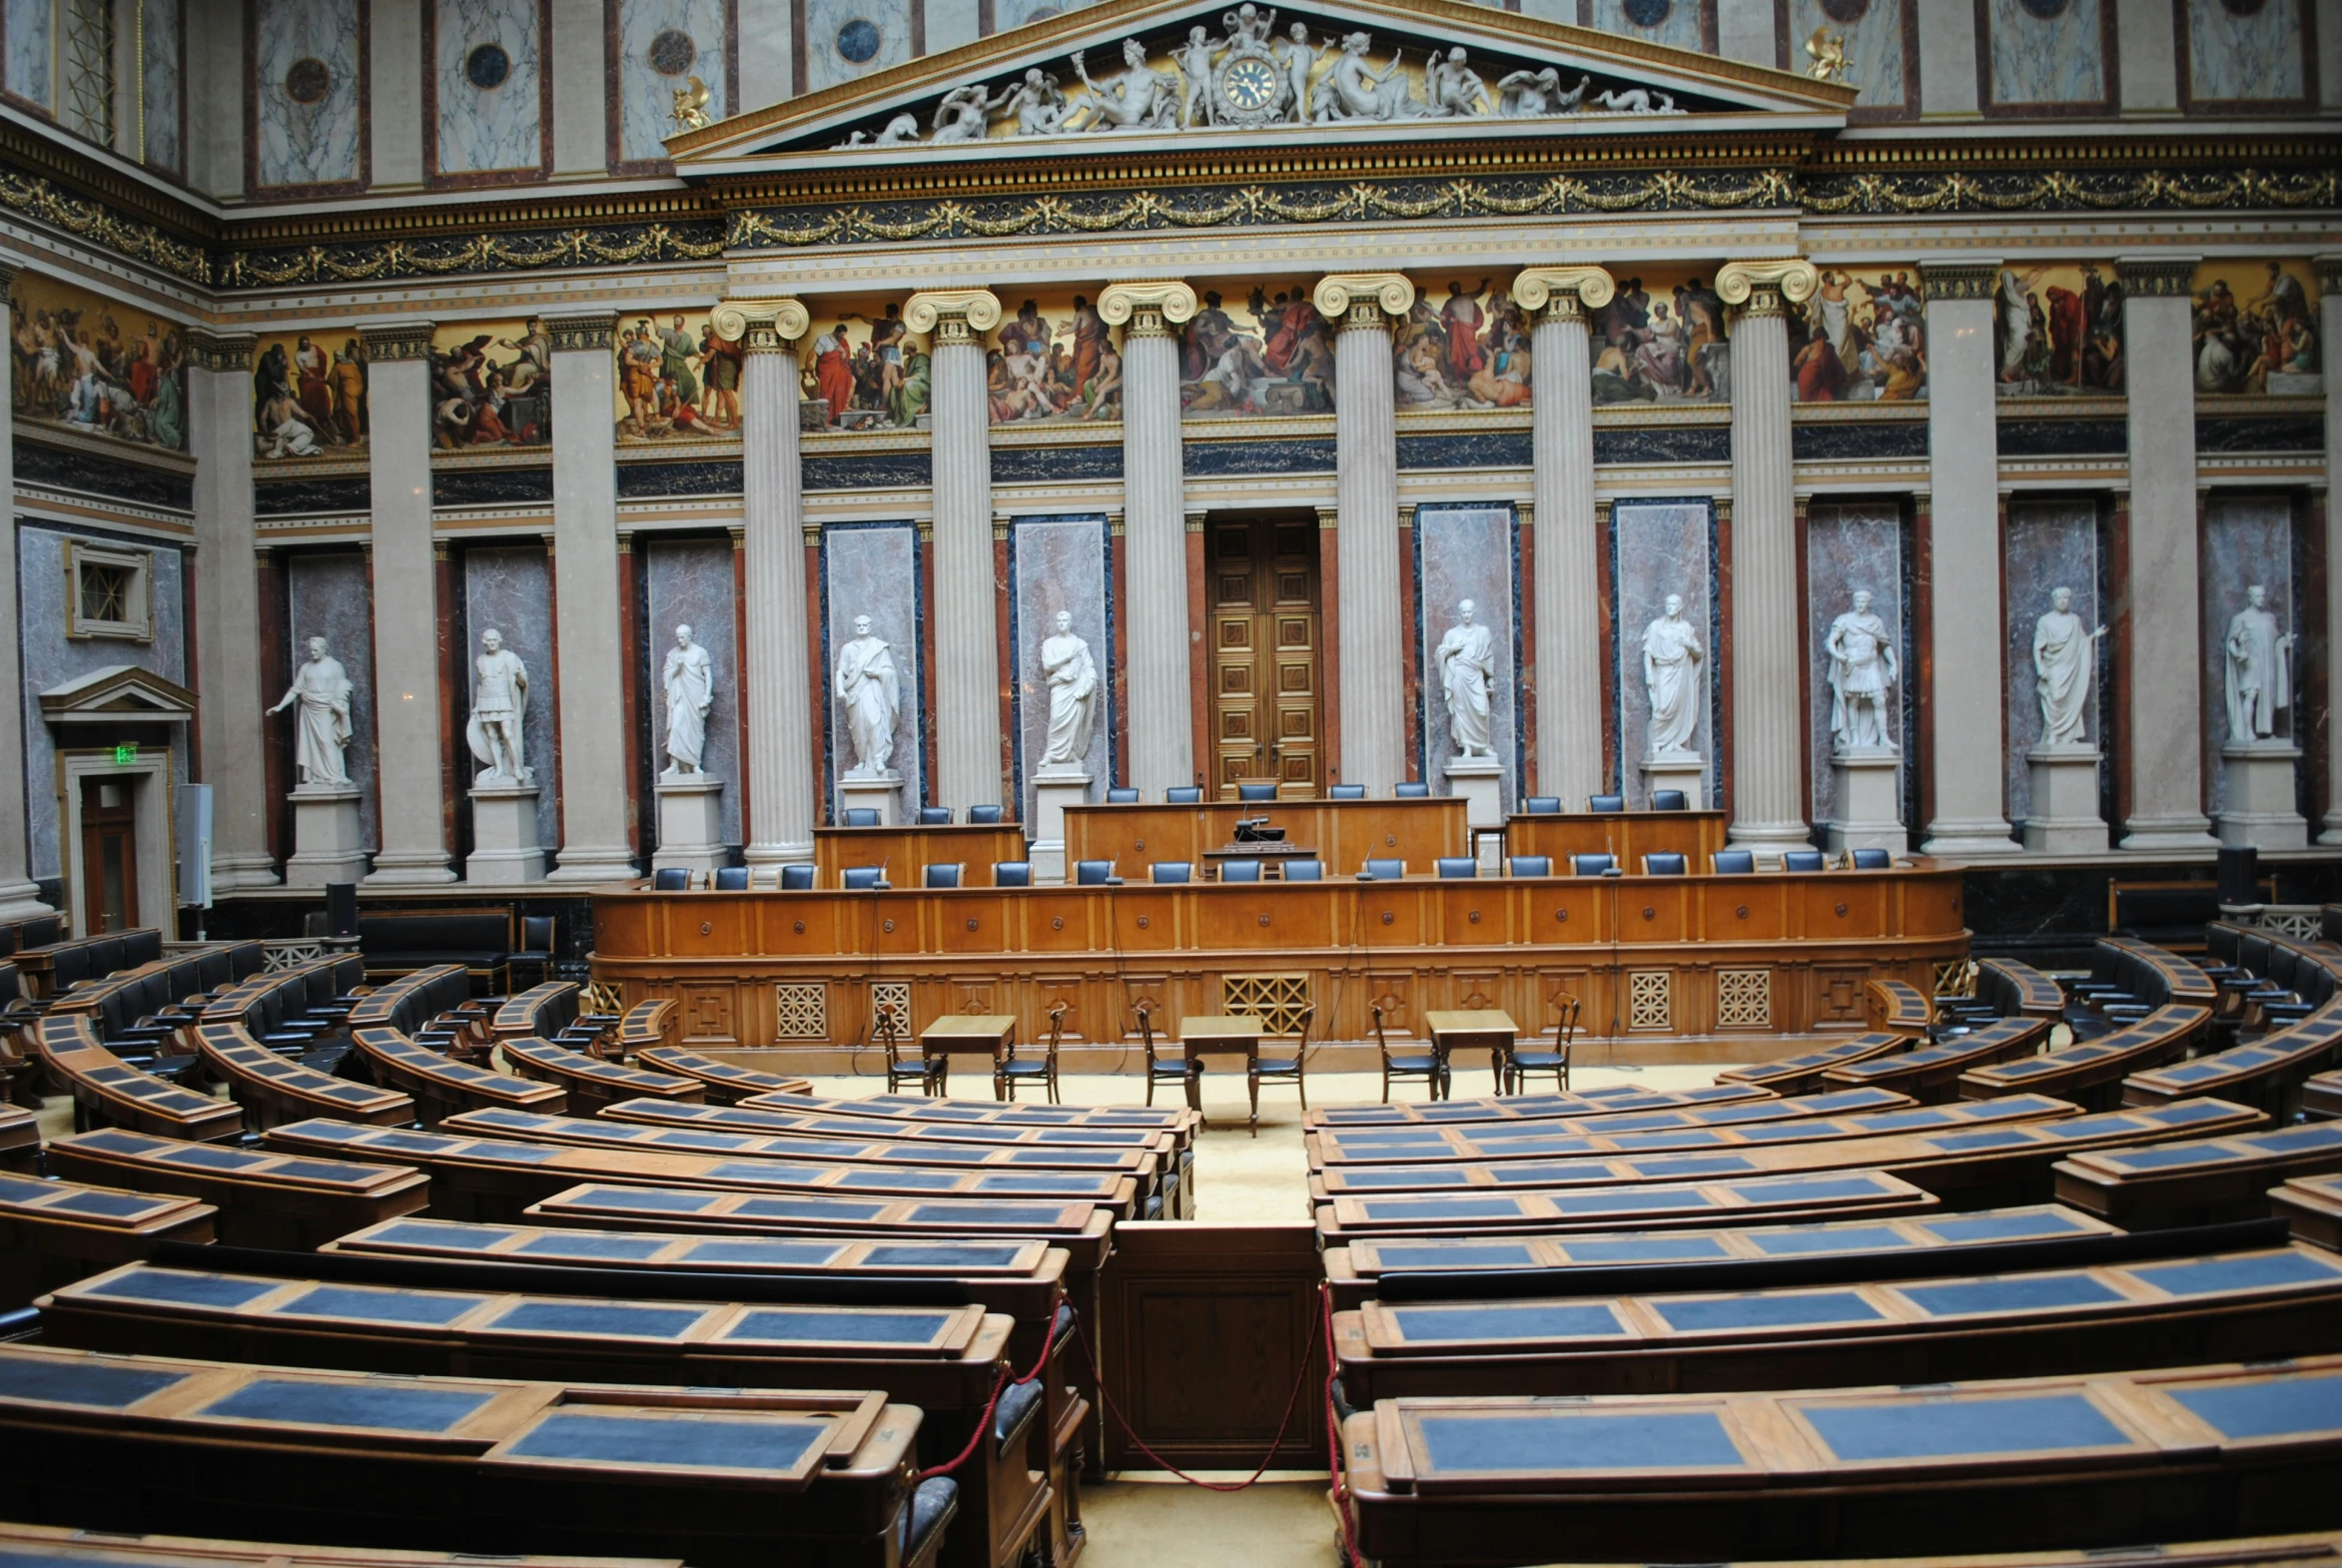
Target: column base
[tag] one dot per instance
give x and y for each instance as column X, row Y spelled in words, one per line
column 1869, row 804
column 22, row 901
column 2188, row 832
column 883, row 794
column 1976, row 840
column 504, row 851
column 1689, row 774
column 230, row 871
column 691, row 824
column 602, row 863
column 1479, row 782
column 2065, row 818
column 2261, row 802
column 1054, row 789
column 328, row 845
column 411, row 868
column 782, row 854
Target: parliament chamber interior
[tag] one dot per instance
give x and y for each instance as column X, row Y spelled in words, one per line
column 994, row 783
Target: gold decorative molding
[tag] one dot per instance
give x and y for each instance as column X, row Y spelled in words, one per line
column 1328, row 518
column 597, row 329
column 1562, row 293
column 1151, row 310
column 229, row 353
column 1960, row 280
column 1759, row 288
column 391, row 344
column 954, row 316
column 2157, row 277
column 2329, row 273
column 1363, row 299
column 761, row 326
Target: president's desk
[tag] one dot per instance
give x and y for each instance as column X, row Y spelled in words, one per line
column 1759, row 956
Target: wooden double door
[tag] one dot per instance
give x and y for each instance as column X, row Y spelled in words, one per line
column 1267, row 710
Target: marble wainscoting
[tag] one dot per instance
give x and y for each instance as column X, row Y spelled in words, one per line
column 1058, row 563
column 29, row 72
column 164, row 89
column 2053, row 58
column 662, row 45
column 488, row 126
column 1658, row 548
column 1875, row 47
column 845, row 39
column 326, row 596
column 2247, row 539
column 872, row 568
column 1469, row 552
column 50, row 659
column 318, row 138
column 690, row 582
column 2237, row 51
column 1677, row 26
column 2049, row 545
column 510, row 587
column 1850, row 546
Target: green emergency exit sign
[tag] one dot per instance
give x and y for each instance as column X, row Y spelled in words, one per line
column 126, row 754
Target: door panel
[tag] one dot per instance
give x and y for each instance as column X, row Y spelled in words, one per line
column 1264, row 656
column 108, row 856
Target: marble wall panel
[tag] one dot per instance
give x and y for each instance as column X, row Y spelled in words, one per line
column 872, row 568
column 2057, row 330
column 1051, row 359
column 2256, row 328
column 689, row 582
column 1661, row 339
column 1680, row 23
column 51, row 659
column 950, row 24
column 2046, row 53
column 1058, row 563
column 510, row 587
column 491, row 385
column 844, row 39
column 662, row 45
column 2049, row 545
column 1863, row 337
column 676, row 379
column 1551, row 10
column 326, row 596
column 1016, row 13
column 488, row 75
column 309, row 397
column 98, row 366
column 870, row 372
column 1469, row 552
column 1658, row 548
column 2241, row 51
column 1851, row 546
column 164, row 88
column 307, row 126
column 2247, row 540
column 31, row 37
column 1465, row 345
column 1875, row 53
column 1265, row 352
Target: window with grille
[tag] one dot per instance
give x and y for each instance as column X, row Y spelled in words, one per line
column 85, row 68
column 107, row 590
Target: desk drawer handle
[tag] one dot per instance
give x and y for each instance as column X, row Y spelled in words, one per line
column 1056, row 922
column 1142, row 922
column 1649, row 912
column 972, row 925
column 1390, row 841
column 886, row 926
column 1387, row 917
column 707, row 930
column 1741, row 911
column 1841, row 909
column 1476, row 916
column 801, row 928
column 1264, row 920
column 1138, row 844
column 1561, row 914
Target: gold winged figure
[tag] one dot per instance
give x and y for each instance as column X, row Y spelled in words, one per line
column 691, row 105
column 1826, row 49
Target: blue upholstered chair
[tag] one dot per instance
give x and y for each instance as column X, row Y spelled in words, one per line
column 1290, row 1070
column 1041, row 1069
column 935, row 816
column 1670, row 800
column 731, row 878
column 863, row 879
column 797, row 878
column 1530, row 1056
column 904, row 1064
column 1347, row 792
column 1733, row 862
column 1664, row 863
column 1094, row 873
column 1012, row 873
column 1458, row 867
column 670, row 879
column 1606, row 803
column 1873, row 860
column 1173, row 1068
column 1803, row 860
column 1239, row 870
column 1184, row 795
column 1305, row 871
column 1541, row 806
column 1169, row 871
column 984, row 816
column 1384, row 871
column 937, row 875
column 1592, row 865
column 862, row 815
column 1255, row 792
column 1121, row 795
column 1398, row 1066
column 1528, row 866
column 1412, row 791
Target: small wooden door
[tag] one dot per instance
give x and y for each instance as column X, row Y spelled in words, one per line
column 1263, row 575
column 108, row 856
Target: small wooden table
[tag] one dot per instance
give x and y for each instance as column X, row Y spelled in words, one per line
column 991, row 1032
column 1476, row 1029
column 1224, row 1033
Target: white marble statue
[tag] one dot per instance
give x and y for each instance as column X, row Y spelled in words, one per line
column 1861, row 672
column 1525, row 95
column 690, row 682
column 322, row 687
column 1467, row 672
column 1672, row 657
column 2063, row 658
column 964, row 114
column 500, row 698
column 1197, row 57
column 900, row 131
column 1140, row 99
column 1359, row 92
column 1036, row 105
column 872, row 695
column 2258, row 682
column 1299, row 57
column 1453, row 86
column 1637, row 100
column 1073, row 694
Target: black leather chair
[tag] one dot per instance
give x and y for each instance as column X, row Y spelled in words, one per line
column 939, row 876
column 1606, row 803
column 1733, row 862
column 1119, row 795
column 1528, row 866
column 1458, row 867
column 731, row 878
column 860, row 816
column 863, row 879
column 1803, row 860
column 1664, row 863
column 670, row 879
column 533, row 956
column 1255, row 792
column 1592, row 865
column 1399, row 1067
column 1184, row 795
column 1169, row 871
column 1239, row 870
column 1305, row 871
column 1873, row 860
column 1347, row 792
column 1012, row 873
column 1670, row 800
column 1041, row 1069
column 1384, row 871
column 1292, row 1070
column 984, row 816
column 1541, row 806
column 1413, row 791
column 935, row 816
column 1094, row 873
column 797, row 878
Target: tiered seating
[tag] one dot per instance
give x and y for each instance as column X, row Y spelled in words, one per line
column 2321, row 1097
column 411, row 1000
column 1798, row 1074
column 50, row 1546
column 55, row 1232
column 647, row 1025
column 272, row 1090
column 51, row 969
column 590, row 1084
column 2196, row 1183
column 2267, row 1071
column 20, row 1139
column 1930, row 1074
column 442, row 1088
column 137, row 1011
column 2312, row 1205
column 263, row 1200
column 547, row 1012
column 725, row 1085
column 921, row 1107
column 2129, row 979
column 2090, row 1071
column 1082, row 1228
column 2005, row 987
column 1896, row 1007
column 464, row 1463
column 290, row 1010
column 33, row 931
column 1660, row 1205
column 108, row 1092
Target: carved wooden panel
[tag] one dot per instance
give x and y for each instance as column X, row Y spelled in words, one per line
column 1744, row 999
column 708, row 1012
column 1650, row 999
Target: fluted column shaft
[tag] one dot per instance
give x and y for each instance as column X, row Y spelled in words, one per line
column 593, row 781
column 966, row 596
column 1155, row 535
column 1371, row 635
column 1566, row 586
column 18, row 896
column 780, row 688
column 408, row 743
column 2164, row 703
column 1768, row 730
column 2330, row 322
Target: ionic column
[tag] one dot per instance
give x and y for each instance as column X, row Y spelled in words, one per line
column 1566, row 587
column 1768, row 725
column 408, row 745
column 967, row 633
column 18, row 896
column 2329, row 322
column 780, row 685
column 1155, row 539
column 587, row 619
column 1965, row 561
column 1370, row 630
column 2164, row 703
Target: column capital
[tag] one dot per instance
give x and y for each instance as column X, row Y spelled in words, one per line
column 1527, row 512
column 592, row 331
column 1759, row 288
column 1328, row 518
column 1562, row 293
column 226, row 352
column 2329, row 269
column 388, row 344
column 2157, row 277
column 954, row 316
column 9, row 268
column 1150, row 310
column 1968, row 279
column 1363, row 299
column 761, row 326
column 1196, row 517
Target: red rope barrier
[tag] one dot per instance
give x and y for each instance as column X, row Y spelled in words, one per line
column 1334, row 1453
column 999, row 1388
column 1292, row 1403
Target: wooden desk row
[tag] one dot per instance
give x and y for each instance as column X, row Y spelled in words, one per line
column 903, row 851
column 1657, row 1205
column 109, row 1092
column 20, row 1139
column 57, row 1546
column 1626, row 835
column 1535, row 1107
column 920, row 1109
column 272, row 1090
column 590, row 1085
column 2200, row 1182
column 1343, row 834
column 988, row 1134
column 55, row 1232
column 721, row 1083
column 289, row 1202
column 1815, row 941
column 1471, row 1140
column 1802, row 1073
column 2090, row 1073
column 442, row 1087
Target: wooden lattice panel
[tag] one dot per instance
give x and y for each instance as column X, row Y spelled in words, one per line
column 1955, row 977
column 801, row 1011
column 1744, row 999
column 1650, row 999
column 600, row 996
column 1276, row 1000
column 895, row 994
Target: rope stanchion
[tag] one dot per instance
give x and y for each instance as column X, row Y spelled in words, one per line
column 1334, row 1453
column 1292, row 1403
column 999, row 1388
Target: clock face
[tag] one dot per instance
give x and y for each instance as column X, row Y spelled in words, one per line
column 1248, row 84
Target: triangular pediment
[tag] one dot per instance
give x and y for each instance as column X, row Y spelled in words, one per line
column 116, row 693
column 1074, row 84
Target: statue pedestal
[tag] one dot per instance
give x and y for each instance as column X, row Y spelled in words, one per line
column 327, row 844
column 1867, row 812
column 1479, row 782
column 504, row 847
column 2065, row 819
column 1055, row 787
column 2262, row 810
column 691, row 823
column 1689, row 774
column 882, row 794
